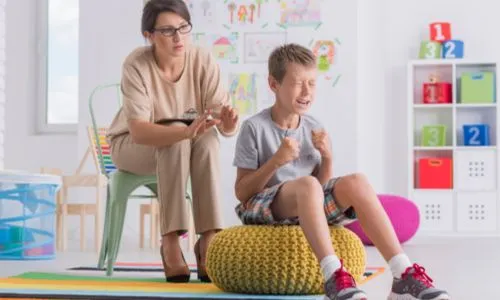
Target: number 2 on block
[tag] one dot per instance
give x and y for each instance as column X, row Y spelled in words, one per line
column 449, row 49
column 474, row 139
column 453, row 49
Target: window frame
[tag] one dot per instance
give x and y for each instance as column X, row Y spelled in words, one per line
column 42, row 124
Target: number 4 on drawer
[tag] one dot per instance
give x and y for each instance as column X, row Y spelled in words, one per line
column 453, row 49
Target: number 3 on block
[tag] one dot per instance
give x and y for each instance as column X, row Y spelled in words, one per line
column 453, row 49
column 429, row 49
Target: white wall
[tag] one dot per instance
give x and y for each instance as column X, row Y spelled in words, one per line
column 406, row 24
column 2, row 82
column 23, row 147
column 371, row 93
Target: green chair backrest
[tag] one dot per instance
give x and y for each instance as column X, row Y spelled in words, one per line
column 97, row 133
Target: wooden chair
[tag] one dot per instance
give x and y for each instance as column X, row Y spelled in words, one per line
column 65, row 209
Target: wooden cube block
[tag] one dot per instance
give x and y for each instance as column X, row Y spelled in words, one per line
column 440, row 31
column 453, row 49
column 430, row 50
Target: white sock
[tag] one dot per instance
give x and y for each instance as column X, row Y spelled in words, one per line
column 398, row 264
column 329, row 264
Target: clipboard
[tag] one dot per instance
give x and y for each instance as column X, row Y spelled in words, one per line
column 169, row 121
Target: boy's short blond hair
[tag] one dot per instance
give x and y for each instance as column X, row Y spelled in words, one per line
column 289, row 53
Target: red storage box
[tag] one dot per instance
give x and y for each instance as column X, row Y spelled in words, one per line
column 435, row 173
column 437, row 92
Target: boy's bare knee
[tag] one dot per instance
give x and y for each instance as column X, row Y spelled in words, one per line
column 355, row 186
column 309, row 183
column 308, row 186
column 356, row 179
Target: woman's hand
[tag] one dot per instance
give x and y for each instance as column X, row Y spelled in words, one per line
column 201, row 124
column 229, row 118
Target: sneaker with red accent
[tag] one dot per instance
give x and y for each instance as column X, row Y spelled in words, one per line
column 342, row 286
column 415, row 284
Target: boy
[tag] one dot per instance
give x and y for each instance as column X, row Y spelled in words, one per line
column 284, row 176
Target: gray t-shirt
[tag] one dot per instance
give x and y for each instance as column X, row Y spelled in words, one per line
column 259, row 138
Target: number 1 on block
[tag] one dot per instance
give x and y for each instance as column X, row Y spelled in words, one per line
column 440, row 31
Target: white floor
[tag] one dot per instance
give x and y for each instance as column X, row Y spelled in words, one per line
column 467, row 268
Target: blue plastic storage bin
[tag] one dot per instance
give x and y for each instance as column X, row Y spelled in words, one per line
column 27, row 210
column 476, row 135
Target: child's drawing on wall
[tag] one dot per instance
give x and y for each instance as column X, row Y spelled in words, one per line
column 243, row 91
column 244, row 12
column 324, row 51
column 204, row 11
column 224, row 46
column 300, row 13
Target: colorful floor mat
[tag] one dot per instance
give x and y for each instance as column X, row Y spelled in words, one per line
column 157, row 267
column 38, row 285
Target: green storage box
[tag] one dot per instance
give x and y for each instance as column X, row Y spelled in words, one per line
column 434, row 135
column 477, row 87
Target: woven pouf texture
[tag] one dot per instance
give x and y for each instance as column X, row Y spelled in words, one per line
column 257, row 259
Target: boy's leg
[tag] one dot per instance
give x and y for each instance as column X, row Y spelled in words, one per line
column 356, row 192
column 304, row 198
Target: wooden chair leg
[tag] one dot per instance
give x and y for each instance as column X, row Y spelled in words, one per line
column 191, row 232
column 141, row 228
column 152, row 224
column 64, row 219
column 59, row 230
column 82, row 228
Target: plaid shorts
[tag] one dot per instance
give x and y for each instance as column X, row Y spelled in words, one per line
column 257, row 211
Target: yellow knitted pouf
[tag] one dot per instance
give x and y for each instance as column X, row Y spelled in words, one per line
column 266, row 259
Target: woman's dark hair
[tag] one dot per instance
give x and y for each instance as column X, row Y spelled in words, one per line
column 155, row 7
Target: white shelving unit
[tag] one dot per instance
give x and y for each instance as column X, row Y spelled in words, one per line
column 470, row 206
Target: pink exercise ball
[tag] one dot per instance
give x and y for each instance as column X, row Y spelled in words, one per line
column 404, row 216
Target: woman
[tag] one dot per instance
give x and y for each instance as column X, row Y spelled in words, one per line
column 168, row 80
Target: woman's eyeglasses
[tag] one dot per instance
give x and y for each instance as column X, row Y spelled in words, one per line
column 171, row 31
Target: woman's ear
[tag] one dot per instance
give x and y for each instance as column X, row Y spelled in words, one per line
column 148, row 36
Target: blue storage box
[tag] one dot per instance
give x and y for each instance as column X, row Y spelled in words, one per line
column 27, row 210
column 476, row 135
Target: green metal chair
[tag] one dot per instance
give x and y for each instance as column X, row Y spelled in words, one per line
column 120, row 187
